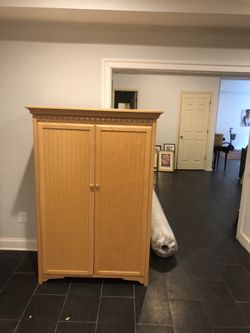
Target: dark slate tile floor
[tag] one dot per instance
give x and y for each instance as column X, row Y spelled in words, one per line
column 204, row 288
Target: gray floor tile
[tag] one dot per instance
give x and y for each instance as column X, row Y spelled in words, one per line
column 224, row 313
column 237, row 280
column 8, row 264
column 154, row 329
column 16, row 294
column 151, row 302
column 213, row 290
column 68, row 327
column 116, row 315
column 7, row 326
column 42, row 314
column 245, row 310
column 57, row 287
column 180, row 283
column 83, row 300
column 117, row 287
column 189, row 317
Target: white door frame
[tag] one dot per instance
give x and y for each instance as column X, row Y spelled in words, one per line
column 171, row 67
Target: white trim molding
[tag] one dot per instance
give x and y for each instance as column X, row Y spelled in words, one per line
column 168, row 66
column 18, row 244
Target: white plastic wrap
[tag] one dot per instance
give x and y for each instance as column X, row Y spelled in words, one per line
column 163, row 241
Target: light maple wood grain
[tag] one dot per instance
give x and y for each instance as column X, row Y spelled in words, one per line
column 123, row 155
column 94, row 176
column 66, row 170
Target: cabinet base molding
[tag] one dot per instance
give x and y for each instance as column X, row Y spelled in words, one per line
column 141, row 279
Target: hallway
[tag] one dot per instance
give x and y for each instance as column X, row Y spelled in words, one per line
column 205, row 288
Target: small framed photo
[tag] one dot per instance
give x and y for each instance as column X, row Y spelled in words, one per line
column 166, row 161
column 245, row 118
column 169, row 147
column 157, row 148
column 155, row 161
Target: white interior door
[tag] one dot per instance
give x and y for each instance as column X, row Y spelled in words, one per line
column 243, row 231
column 193, row 134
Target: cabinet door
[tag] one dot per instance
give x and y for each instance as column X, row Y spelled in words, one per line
column 123, row 157
column 65, row 172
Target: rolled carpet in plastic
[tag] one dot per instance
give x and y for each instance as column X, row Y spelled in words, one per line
column 163, row 241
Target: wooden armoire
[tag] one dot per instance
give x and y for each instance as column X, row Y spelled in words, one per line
column 94, row 178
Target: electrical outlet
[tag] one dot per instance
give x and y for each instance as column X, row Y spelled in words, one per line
column 22, row 217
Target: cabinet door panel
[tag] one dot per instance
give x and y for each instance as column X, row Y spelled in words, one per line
column 123, row 155
column 66, row 163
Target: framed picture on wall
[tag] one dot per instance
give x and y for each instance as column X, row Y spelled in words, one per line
column 169, row 146
column 245, row 118
column 166, row 161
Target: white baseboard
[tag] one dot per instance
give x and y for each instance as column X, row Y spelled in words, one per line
column 18, row 244
column 244, row 241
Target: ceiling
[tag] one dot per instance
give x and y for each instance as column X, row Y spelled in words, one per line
column 164, row 13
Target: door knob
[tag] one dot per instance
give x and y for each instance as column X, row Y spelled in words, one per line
column 92, row 187
column 181, row 137
column 97, row 187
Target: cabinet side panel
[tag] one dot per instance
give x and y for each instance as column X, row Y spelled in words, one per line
column 121, row 210
column 39, row 252
column 66, row 159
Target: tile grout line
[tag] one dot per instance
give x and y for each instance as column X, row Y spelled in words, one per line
column 235, row 301
column 111, row 296
column 248, row 273
column 165, row 285
column 25, row 308
column 77, row 321
column 66, row 296
column 156, row 325
column 204, row 306
column 226, row 284
column 203, row 279
column 214, row 262
column 134, row 307
column 240, row 302
column 14, row 271
column 99, row 306
column 41, row 294
column 239, row 263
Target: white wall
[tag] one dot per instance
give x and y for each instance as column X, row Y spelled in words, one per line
column 164, row 92
column 243, row 229
column 61, row 65
column 234, row 97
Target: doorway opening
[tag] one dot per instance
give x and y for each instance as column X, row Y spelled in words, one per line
column 138, row 66
column 232, row 124
column 141, row 67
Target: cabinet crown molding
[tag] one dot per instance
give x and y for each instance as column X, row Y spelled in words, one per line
column 60, row 111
